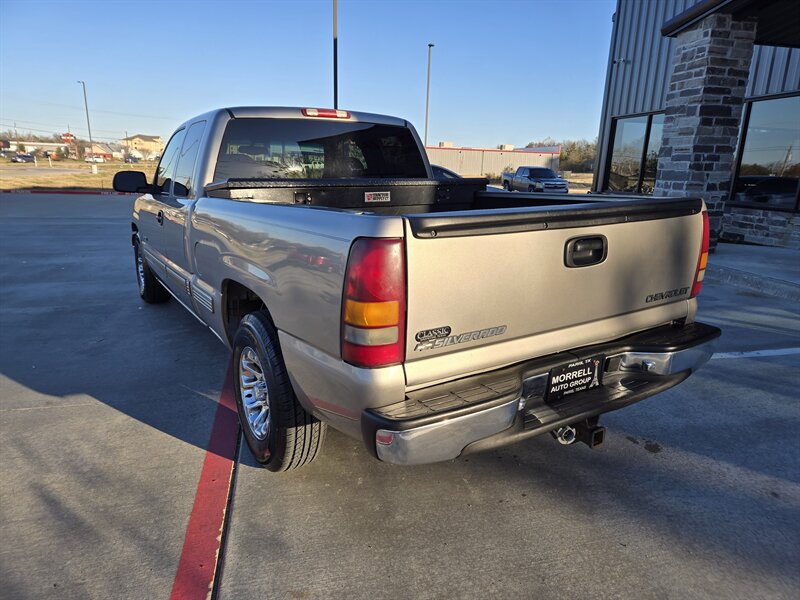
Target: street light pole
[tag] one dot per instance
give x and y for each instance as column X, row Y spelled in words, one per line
column 335, row 55
column 88, row 125
column 428, row 93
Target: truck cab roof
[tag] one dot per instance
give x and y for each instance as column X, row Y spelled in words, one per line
column 294, row 112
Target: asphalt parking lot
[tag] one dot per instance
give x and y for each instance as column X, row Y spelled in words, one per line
column 107, row 410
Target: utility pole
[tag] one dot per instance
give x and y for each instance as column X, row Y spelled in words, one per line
column 88, row 125
column 428, row 94
column 335, row 55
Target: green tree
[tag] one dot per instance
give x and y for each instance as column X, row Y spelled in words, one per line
column 576, row 155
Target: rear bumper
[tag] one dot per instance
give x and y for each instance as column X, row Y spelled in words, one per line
column 504, row 406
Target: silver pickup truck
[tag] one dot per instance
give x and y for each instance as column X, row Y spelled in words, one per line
column 429, row 318
column 535, row 179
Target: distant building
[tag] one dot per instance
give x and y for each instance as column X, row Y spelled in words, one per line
column 34, row 146
column 703, row 99
column 479, row 162
column 102, row 150
column 144, row 145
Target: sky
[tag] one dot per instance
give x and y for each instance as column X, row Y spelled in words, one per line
column 502, row 72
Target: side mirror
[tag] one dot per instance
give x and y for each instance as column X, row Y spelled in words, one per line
column 130, row 181
column 180, row 190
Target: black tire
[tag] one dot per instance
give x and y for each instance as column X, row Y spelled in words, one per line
column 530, row 189
column 150, row 289
column 506, row 187
column 293, row 437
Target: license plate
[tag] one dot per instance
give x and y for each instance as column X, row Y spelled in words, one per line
column 576, row 376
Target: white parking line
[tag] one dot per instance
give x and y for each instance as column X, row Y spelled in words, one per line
column 754, row 353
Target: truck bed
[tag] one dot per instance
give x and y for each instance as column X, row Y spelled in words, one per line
column 383, row 196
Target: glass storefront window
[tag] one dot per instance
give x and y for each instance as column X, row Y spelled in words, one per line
column 626, row 155
column 634, row 154
column 651, row 158
column 769, row 169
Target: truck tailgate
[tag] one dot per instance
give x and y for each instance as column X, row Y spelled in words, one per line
column 488, row 288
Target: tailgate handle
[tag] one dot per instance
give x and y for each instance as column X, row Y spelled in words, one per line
column 586, row 251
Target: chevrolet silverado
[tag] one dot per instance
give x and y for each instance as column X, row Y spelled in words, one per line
column 535, row 179
column 430, row 318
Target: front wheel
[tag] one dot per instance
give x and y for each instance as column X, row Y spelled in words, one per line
column 150, row 289
column 279, row 432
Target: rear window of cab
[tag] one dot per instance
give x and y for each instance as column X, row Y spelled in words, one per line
column 263, row 148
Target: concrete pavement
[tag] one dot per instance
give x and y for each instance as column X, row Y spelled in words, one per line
column 105, row 410
column 106, row 407
column 773, row 271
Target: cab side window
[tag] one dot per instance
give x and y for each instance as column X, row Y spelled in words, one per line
column 166, row 166
column 183, row 179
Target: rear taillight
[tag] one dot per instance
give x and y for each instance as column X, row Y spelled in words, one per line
column 329, row 113
column 374, row 304
column 703, row 260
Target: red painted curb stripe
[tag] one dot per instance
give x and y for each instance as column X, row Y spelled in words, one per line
column 195, row 576
column 76, row 192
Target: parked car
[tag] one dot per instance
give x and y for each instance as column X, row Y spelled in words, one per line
column 442, row 173
column 131, row 159
column 23, row 158
column 93, row 158
column 377, row 303
column 535, row 179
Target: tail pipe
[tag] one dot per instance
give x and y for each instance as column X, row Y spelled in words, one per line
column 565, row 435
column 587, row 432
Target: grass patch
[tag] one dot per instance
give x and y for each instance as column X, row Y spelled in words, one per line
column 65, row 174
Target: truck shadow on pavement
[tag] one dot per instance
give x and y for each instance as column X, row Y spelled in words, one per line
column 164, row 369
column 641, row 510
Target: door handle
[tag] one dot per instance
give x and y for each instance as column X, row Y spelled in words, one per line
column 160, row 217
column 586, row 251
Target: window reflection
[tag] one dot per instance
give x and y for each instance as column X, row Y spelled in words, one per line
column 315, row 148
column 770, row 166
column 626, row 155
column 653, row 149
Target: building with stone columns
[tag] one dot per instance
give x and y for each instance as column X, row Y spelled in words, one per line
column 702, row 98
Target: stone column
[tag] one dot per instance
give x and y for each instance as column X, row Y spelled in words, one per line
column 710, row 68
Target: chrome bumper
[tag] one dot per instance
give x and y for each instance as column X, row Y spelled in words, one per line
column 446, row 439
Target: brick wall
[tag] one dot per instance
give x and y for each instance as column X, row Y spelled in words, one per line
column 764, row 227
column 710, row 68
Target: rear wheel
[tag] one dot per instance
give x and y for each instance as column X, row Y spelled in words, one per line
column 530, row 188
column 279, row 432
column 506, row 186
column 150, row 289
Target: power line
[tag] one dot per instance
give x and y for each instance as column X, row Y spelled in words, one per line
column 108, row 112
column 59, row 126
column 34, row 130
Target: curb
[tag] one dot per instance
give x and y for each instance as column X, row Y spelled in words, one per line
column 74, row 192
column 758, row 283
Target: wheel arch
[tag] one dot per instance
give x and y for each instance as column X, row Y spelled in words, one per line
column 237, row 301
